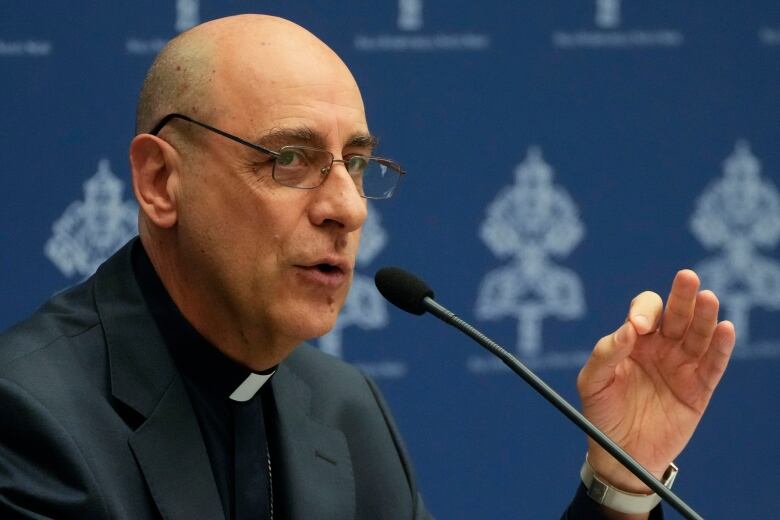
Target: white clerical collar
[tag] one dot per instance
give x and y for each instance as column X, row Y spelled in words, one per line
column 247, row 390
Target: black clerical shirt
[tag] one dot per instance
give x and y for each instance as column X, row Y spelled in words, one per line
column 230, row 403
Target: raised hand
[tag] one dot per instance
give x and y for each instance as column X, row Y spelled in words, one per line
column 647, row 384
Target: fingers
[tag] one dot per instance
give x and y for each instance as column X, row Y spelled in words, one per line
column 645, row 312
column 599, row 370
column 702, row 327
column 714, row 362
column 680, row 305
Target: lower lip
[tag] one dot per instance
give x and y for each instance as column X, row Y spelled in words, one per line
column 332, row 279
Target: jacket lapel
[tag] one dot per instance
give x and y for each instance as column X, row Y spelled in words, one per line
column 170, row 451
column 316, row 477
column 168, row 445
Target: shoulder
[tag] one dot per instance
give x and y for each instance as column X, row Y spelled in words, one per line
column 56, row 357
column 75, row 315
column 65, row 318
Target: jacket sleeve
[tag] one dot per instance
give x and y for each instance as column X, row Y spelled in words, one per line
column 42, row 471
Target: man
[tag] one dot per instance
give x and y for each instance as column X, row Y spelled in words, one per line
column 141, row 393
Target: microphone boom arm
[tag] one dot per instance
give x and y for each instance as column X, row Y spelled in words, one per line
column 561, row 404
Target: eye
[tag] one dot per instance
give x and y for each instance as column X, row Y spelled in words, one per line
column 357, row 164
column 292, row 158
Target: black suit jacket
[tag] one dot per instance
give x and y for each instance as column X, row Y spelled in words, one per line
column 97, row 422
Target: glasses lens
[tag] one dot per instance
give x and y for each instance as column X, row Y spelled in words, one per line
column 357, row 164
column 301, row 167
column 379, row 180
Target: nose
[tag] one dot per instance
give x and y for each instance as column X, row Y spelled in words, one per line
column 337, row 201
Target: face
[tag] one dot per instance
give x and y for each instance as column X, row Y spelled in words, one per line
column 275, row 262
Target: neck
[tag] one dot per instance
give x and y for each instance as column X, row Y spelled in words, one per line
column 244, row 343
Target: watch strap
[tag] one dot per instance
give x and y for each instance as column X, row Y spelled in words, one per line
column 605, row 494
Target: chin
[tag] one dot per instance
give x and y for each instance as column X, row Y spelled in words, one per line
column 323, row 329
column 306, row 318
column 312, row 328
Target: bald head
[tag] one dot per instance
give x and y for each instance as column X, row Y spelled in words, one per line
column 175, row 82
column 204, row 69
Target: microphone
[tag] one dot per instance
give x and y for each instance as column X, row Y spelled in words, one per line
column 402, row 289
column 411, row 294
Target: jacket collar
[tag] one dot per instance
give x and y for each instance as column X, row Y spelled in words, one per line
column 141, row 368
column 168, row 446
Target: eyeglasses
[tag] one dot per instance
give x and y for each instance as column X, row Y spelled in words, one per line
column 305, row 167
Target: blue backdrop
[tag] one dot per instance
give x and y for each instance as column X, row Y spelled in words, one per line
column 563, row 156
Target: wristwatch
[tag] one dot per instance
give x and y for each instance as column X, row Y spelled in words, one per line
column 621, row 501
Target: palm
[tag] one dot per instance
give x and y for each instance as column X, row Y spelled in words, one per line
column 649, row 391
column 653, row 397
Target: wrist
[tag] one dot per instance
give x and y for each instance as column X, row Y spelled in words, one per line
column 605, row 493
column 611, row 470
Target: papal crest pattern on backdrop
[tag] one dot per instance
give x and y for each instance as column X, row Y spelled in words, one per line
column 657, row 127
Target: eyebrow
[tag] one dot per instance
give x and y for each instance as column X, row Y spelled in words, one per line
column 304, row 135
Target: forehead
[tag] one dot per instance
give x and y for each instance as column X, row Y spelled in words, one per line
column 292, row 87
column 279, row 137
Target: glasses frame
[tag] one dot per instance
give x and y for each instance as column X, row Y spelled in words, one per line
column 275, row 154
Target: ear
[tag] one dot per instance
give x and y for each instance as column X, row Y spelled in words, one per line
column 155, row 169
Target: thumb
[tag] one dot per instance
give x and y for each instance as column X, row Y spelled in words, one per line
column 599, row 371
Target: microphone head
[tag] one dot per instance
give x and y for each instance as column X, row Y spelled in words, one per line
column 402, row 289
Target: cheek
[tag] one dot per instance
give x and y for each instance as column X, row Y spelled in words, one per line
column 273, row 237
column 355, row 237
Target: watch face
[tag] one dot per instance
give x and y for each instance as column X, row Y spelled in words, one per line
column 597, row 490
column 669, row 475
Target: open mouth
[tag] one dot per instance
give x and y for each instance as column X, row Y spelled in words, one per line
column 330, row 275
column 327, row 268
